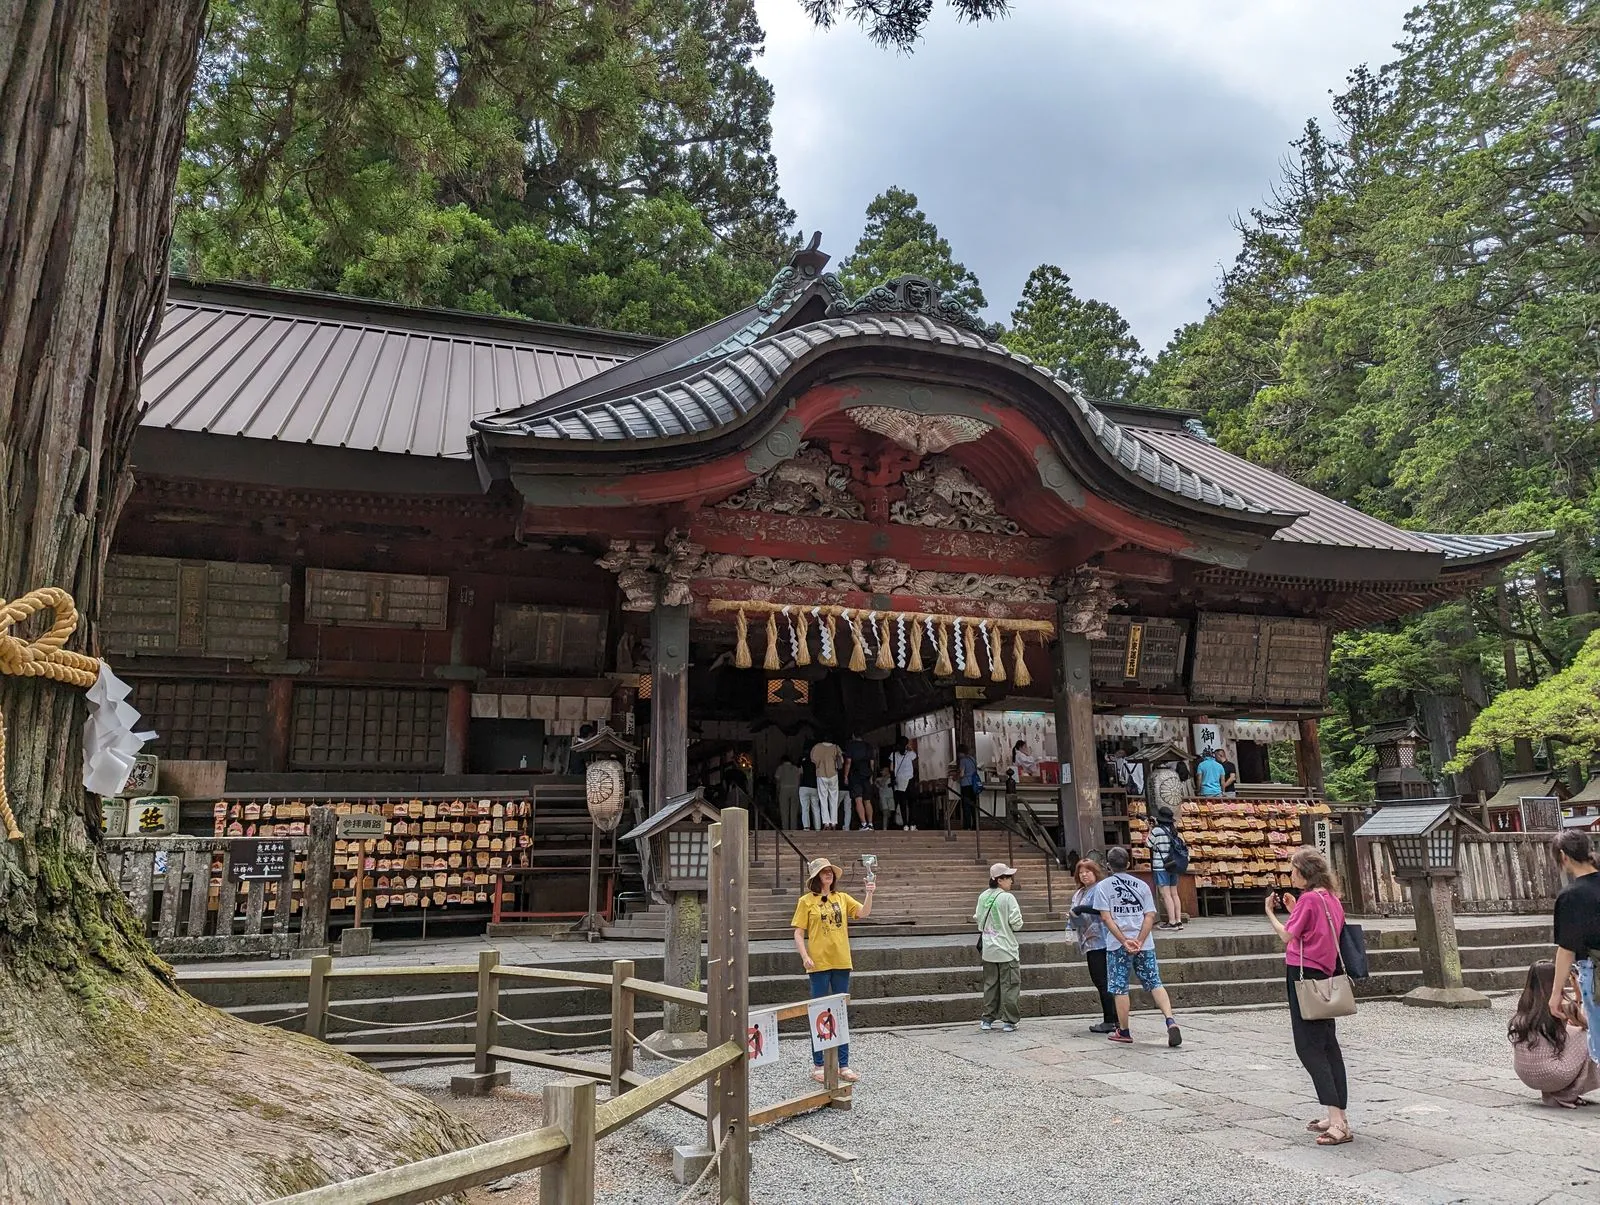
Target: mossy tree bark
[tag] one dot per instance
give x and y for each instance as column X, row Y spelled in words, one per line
column 114, row 1085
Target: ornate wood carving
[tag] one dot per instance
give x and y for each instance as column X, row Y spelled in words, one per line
column 924, row 434
column 1086, row 597
column 942, row 494
column 808, row 484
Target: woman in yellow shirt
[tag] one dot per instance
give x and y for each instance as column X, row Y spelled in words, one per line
column 822, row 935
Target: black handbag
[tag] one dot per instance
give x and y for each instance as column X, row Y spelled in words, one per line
column 1353, row 951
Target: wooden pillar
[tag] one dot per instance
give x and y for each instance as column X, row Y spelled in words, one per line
column 1309, row 753
column 669, row 776
column 728, row 1003
column 279, row 721
column 317, row 885
column 1082, row 823
column 569, row 1106
column 457, row 718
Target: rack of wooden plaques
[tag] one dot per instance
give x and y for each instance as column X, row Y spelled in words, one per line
column 437, row 851
column 1234, row 844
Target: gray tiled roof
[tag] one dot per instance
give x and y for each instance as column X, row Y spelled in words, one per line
column 1461, row 548
column 719, row 393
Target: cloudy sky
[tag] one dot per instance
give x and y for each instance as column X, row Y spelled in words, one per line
column 1115, row 138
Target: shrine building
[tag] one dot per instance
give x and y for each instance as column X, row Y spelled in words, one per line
column 379, row 554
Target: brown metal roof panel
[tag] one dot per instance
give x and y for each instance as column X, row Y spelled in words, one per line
column 259, row 407
column 1324, row 521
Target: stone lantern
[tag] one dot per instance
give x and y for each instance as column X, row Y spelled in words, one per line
column 605, row 787
column 1423, row 837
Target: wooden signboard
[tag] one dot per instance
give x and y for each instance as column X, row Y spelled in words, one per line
column 1259, row 659
column 1137, row 651
column 258, row 858
column 167, row 607
column 353, row 599
column 560, row 639
column 361, row 825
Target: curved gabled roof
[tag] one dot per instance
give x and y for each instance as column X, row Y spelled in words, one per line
column 707, row 396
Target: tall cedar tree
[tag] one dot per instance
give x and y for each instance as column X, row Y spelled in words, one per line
column 1410, row 326
column 899, row 240
column 99, row 1040
column 898, row 23
column 597, row 165
column 1087, row 341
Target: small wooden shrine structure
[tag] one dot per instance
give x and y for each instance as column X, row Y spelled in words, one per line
column 378, row 555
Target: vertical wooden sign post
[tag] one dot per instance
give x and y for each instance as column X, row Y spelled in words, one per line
column 728, row 1001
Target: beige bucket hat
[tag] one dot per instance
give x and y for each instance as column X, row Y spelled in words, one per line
column 816, row 866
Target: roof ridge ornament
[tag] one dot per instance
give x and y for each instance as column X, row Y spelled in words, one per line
column 912, row 294
column 803, row 269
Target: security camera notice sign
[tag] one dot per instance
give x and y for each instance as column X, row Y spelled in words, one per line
column 830, row 1022
column 761, row 1040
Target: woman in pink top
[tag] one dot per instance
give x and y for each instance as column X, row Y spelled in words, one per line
column 1311, row 938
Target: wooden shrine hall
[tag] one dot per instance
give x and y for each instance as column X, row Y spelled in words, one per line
column 376, row 551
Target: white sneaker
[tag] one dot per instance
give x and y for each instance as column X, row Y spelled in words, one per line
column 986, row 1026
column 1008, row 1028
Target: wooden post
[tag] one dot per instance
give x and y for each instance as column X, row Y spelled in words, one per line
column 669, row 776
column 457, row 717
column 488, row 1005
column 621, row 1025
column 317, row 885
column 361, row 878
column 1308, row 751
column 317, row 997
column 569, row 1106
column 728, row 1006
column 279, row 722
column 1081, row 819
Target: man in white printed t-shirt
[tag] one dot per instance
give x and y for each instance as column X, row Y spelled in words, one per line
column 903, row 765
column 1129, row 912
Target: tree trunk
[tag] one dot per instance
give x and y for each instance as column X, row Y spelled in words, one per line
column 1508, row 651
column 116, row 1086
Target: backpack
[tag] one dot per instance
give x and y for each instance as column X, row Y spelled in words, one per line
column 1177, row 852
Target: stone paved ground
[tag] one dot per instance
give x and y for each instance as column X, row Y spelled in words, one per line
column 1051, row 1113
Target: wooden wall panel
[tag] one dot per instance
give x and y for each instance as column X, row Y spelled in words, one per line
column 1152, row 649
column 182, row 608
column 360, row 728
column 1259, row 659
column 203, row 720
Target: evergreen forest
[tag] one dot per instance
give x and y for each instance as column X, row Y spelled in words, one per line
column 1411, row 323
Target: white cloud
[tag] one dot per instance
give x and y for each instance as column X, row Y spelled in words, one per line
column 1116, row 138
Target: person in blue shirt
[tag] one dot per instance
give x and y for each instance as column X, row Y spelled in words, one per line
column 1210, row 773
column 969, row 783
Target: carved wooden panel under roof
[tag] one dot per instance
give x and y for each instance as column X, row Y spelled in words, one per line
column 1259, row 659
column 1137, row 651
column 549, row 639
column 166, row 606
column 357, row 599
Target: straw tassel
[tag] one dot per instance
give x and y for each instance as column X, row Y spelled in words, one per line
column 885, row 651
column 802, row 654
column 942, row 666
column 972, row 670
column 858, row 654
column 1019, row 658
column 741, row 645
column 772, row 661
column 995, row 645
column 914, row 638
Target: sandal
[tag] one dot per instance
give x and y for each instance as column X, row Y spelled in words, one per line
column 1320, row 1126
column 847, row 1075
column 818, row 1075
column 1329, row 1138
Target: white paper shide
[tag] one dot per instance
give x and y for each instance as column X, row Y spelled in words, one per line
column 109, row 741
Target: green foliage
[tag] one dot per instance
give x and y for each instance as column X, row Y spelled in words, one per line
column 1086, row 341
column 899, row 240
column 1411, row 326
column 600, row 164
column 1563, row 710
column 897, row 23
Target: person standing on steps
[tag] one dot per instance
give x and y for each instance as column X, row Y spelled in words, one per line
column 858, row 759
column 969, row 785
column 787, row 779
column 1129, row 912
column 903, row 764
column 1164, row 843
column 1577, row 929
column 822, row 936
column 1311, row 944
column 810, row 802
column 1209, row 774
column 1088, row 932
column 828, row 759
column 999, row 918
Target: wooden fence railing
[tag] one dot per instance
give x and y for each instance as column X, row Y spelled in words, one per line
column 1501, row 873
column 182, row 889
column 564, row 1148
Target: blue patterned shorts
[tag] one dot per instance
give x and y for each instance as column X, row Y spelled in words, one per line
column 1119, row 963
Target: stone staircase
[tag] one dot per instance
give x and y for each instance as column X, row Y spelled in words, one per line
column 897, row 981
column 926, row 884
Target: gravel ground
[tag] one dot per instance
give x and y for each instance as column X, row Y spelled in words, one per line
column 935, row 1128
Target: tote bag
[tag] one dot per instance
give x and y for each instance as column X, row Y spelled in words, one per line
column 1325, row 999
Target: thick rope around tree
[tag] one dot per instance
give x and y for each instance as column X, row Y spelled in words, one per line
column 41, row 658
